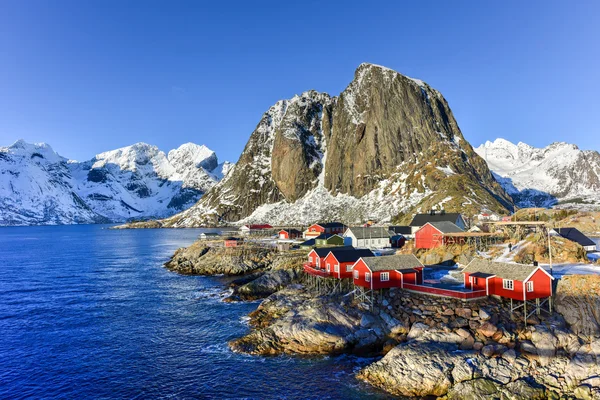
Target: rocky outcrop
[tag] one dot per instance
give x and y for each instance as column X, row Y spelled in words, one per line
column 284, row 270
column 201, row 259
column 388, row 144
column 578, row 300
column 294, row 321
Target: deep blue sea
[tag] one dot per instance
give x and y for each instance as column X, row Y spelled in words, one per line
column 87, row 312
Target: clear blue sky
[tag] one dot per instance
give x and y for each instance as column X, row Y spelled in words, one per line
column 90, row 76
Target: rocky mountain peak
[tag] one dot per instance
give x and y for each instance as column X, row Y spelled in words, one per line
column 386, row 145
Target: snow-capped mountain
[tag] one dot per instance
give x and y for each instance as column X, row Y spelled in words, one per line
column 387, row 146
column 38, row 186
column 560, row 172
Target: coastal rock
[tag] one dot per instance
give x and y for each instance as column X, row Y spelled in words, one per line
column 200, row 259
column 294, row 321
column 545, row 343
column 578, row 300
column 485, row 389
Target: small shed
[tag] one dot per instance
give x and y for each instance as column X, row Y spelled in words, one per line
column 231, row 241
column 329, row 239
column 209, row 235
column 289, row 234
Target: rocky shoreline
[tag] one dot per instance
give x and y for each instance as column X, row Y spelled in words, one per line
column 429, row 346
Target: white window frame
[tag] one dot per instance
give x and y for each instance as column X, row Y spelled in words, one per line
column 318, row 261
column 508, row 284
column 328, row 267
column 367, row 277
column 384, row 277
column 530, row 286
column 336, row 267
column 349, row 268
column 470, row 279
column 310, row 259
column 356, row 275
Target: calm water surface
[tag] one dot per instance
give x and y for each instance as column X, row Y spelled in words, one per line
column 87, row 312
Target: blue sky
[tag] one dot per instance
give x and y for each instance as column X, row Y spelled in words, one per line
column 90, row 76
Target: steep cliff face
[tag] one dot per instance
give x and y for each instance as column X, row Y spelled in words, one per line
column 387, row 145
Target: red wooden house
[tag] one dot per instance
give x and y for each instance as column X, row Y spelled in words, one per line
column 387, row 271
column 317, row 229
column 289, row 234
column 514, row 281
column 339, row 261
column 433, row 234
column 231, row 242
column 316, row 257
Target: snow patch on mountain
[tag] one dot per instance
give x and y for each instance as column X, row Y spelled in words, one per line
column 38, row 186
column 558, row 173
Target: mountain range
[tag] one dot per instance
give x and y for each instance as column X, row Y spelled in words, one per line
column 40, row 187
column 386, row 147
column 560, row 173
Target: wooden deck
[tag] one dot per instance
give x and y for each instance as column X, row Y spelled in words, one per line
column 316, row 271
column 434, row 291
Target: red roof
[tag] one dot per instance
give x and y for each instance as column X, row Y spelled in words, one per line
column 260, row 226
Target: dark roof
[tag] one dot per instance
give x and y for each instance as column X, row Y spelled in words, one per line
column 291, row 231
column 402, row 230
column 407, row 271
column 481, row 275
column 232, row 238
column 446, row 227
column 574, row 235
column 309, row 242
column 258, row 226
column 517, row 272
column 210, row 234
column 343, row 254
column 370, row 232
column 332, row 225
column 323, row 251
column 391, row 263
column 422, row 219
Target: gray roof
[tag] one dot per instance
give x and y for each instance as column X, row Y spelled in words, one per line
column 371, row 232
column 390, row 263
column 446, row 227
column 517, row 272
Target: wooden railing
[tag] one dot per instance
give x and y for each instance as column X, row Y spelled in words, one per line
column 445, row 292
column 309, row 269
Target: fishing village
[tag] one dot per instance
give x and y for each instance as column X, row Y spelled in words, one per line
column 448, row 304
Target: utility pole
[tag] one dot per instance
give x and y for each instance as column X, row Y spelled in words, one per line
column 550, row 252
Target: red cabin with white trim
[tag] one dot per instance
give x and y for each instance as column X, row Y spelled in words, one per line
column 513, row 281
column 341, row 261
column 387, row 271
column 431, row 234
column 317, row 229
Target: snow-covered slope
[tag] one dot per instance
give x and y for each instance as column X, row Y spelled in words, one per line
column 560, row 172
column 36, row 188
column 40, row 187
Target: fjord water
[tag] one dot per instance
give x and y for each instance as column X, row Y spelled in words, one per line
column 87, row 312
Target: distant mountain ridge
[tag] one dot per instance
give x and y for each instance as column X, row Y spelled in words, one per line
column 543, row 177
column 386, row 147
column 40, row 187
